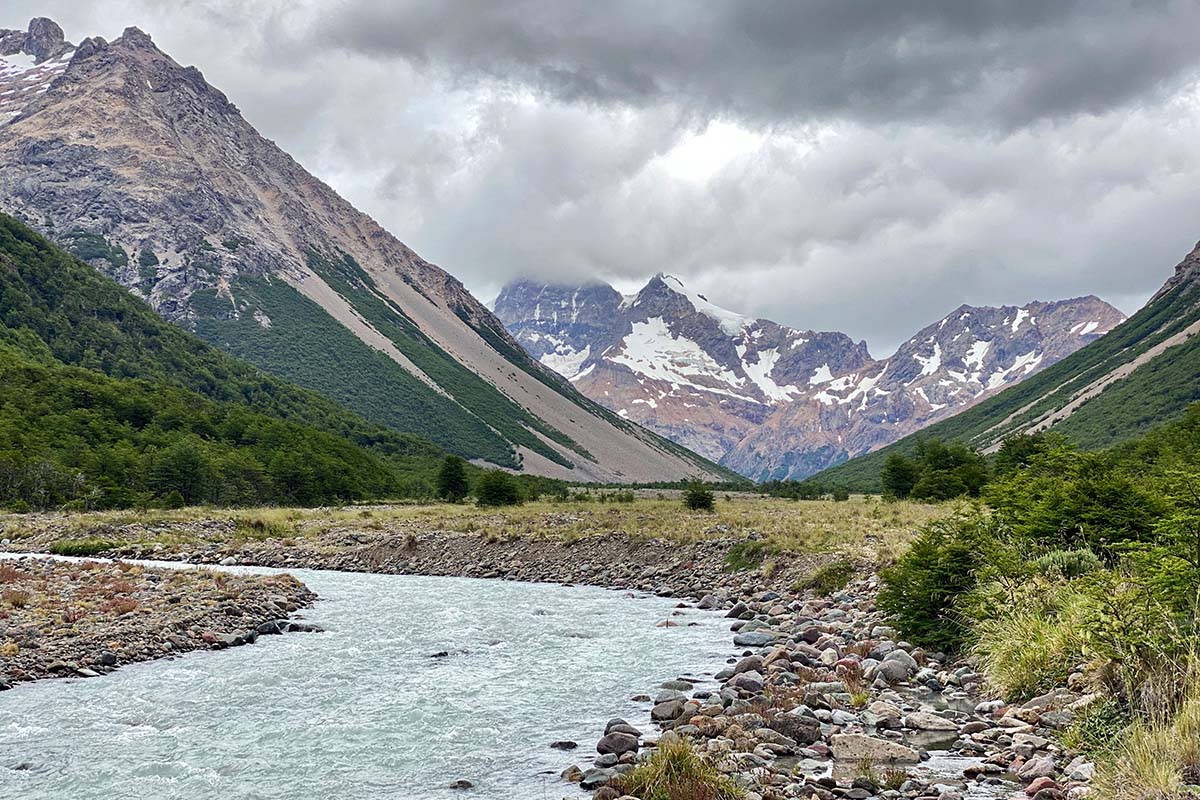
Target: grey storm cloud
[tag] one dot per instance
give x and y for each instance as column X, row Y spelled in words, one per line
column 1003, row 62
column 858, row 165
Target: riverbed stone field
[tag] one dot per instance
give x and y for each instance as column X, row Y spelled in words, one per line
column 62, row 619
column 822, row 698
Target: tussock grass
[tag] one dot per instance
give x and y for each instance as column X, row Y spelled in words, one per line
column 1031, row 647
column 1158, row 757
column 676, row 771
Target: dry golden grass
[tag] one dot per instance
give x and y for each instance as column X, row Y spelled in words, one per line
column 863, row 527
column 1157, row 757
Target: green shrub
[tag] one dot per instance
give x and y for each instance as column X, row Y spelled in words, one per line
column 81, row 547
column 921, row 591
column 452, row 479
column 698, row 497
column 746, row 555
column 1067, row 563
column 172, row 500
column 1096, row 729
column 676, row 771
column 827, row 578
column 497, row 488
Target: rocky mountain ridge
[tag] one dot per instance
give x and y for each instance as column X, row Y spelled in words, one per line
column 772, row 401
column 140, row 167
column 1137, row 377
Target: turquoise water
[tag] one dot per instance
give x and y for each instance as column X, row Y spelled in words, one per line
column 362, row 711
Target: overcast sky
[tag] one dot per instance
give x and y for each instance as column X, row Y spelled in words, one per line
column 863, row 166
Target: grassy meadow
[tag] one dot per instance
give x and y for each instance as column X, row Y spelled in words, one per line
column 863, row 527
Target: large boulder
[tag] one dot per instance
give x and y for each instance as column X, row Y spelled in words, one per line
column 753, row 639
column 860, row 747
column 617, row 743
column 799, row 728
column 668, row 711
column 928, row 721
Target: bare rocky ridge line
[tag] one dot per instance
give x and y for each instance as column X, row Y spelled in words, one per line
column 180, row 198
column 771, row 401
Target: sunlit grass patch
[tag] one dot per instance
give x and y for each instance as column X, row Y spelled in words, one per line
column 676, row 771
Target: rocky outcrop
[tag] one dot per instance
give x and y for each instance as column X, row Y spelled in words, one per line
column 43, row 40
column 771, row 401
column 139, row 166
column 83, row 619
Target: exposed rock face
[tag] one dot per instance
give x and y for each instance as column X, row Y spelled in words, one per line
column 43, row 40
column 1186, row 272
column 139, row 166
column 775, row 402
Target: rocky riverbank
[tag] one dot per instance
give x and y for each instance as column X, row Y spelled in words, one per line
column 86, row 618
column 823, row 701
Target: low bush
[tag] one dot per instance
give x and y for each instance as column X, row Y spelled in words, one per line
column 922, row 591
column 698, row 497
column 676, row 771
column 81, row 547
column 746, row 555
column 827, row 578
column 497, row 488
column 17, row 598
column 260, row 528
column 1096, row 729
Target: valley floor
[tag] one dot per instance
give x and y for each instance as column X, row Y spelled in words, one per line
column 824, row 700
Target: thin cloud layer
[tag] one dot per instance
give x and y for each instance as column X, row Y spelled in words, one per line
column 861, row 166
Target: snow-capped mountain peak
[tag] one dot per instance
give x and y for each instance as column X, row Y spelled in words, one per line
column 770, row 400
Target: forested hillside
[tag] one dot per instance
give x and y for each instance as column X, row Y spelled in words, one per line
column 106, row 404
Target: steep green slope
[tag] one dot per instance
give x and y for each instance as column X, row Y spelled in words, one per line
column 1154, row 392
column 95, row 382
column 71, row 436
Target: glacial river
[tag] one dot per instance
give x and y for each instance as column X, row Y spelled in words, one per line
column 363, row 711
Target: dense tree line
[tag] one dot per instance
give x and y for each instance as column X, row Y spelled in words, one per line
column 104, row 404
column 76, row 438
column 809, row 489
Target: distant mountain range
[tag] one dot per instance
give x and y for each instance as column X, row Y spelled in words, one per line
column 1143, row 374
column 770, row 401
column 138, row 166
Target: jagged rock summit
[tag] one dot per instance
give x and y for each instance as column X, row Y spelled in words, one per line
column 139, row 166
column 771, row 401
column 43, row 40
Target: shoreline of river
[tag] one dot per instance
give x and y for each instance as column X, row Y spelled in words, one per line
column 61, row 619
column 820, row 682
